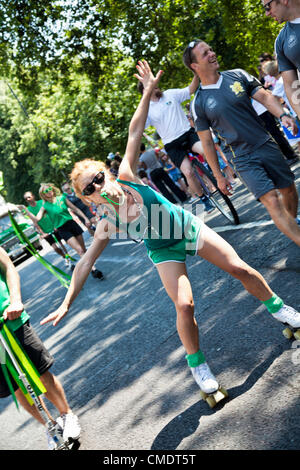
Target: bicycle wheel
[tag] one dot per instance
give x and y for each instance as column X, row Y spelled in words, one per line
column 217, row 198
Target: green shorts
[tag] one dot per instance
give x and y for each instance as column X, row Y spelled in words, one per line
column 189, row 245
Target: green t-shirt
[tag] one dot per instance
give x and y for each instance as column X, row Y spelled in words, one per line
column 45, row 223
column 58, row 211
column 4, row 303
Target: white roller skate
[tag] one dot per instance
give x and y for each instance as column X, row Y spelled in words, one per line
column 290, row 317
column 210, row 390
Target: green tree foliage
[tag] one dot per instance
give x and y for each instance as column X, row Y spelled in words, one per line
column 16, row 171
column 71, row 64
column 44, row 137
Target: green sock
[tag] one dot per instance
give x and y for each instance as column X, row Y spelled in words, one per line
column 274, row 303
column 196, row 359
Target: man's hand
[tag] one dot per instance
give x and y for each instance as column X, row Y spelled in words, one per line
column 290, row 123
column 224, row 185
column 57, row 315
column 13, row 311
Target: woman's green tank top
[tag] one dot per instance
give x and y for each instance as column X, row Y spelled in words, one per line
column 161, row 223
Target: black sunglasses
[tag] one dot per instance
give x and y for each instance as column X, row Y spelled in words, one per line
column 90, row 188
column 267, row 6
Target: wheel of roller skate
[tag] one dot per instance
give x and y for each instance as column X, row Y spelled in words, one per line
column 287, row 332
column 210, row 400
column 224, row 391
column 297, row 335
column 203, row 395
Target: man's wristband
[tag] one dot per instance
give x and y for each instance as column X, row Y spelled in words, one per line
column 284, row 114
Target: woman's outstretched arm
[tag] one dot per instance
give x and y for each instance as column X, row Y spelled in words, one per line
column 128, row 166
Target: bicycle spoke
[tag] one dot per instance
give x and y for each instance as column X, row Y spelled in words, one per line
column 217, row 198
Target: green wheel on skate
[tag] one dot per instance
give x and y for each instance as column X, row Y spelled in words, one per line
column 210, row 400
column 224, row 391
column 287, row 332
column 213, row 399
column 297, row 335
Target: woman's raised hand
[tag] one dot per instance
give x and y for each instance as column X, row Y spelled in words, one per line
column 146, row 76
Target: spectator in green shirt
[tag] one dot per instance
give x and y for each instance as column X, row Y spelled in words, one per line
column 45, row 226
column 18, row 321
column 57, row 206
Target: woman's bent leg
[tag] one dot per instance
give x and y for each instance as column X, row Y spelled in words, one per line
column 220, row 253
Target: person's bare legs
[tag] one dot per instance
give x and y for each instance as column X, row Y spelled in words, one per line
column 31, row 409
column 220, row 253
column 55, row 393
column 77, row 243
column 290, row 199
column 198, row 148
column 58, row 250
column 279, row 209
column 193, row 182
column 176, row 282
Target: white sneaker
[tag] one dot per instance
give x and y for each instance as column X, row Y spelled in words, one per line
column 205, row 378
column 50, row 441
column 288, row 315
column 70, row 424
column 52, row 445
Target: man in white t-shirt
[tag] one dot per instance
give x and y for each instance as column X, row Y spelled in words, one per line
column 279, row 92
column 287, row 45
column 168, row 117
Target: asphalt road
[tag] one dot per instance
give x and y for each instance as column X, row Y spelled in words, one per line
column 123, row 368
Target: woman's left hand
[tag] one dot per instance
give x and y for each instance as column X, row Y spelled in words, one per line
column 13, row 311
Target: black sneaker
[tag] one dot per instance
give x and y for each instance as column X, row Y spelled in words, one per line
column 97, row 274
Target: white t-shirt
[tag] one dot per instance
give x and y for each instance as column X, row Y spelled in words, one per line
column 168, row 116
column 279, row 91
column 259, row 108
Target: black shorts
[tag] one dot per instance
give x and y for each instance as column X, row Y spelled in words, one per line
column 69, row 229
column 87, row 213
column 263, row 169
column 51, row 240
column 35, row 350
column 179, row 148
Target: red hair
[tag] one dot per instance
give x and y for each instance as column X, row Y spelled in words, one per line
column 81, row 167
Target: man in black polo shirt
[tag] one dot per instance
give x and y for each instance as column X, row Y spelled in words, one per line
column 223, row 103
column 287, row 45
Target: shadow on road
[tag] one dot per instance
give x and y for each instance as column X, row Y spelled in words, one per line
column 188, row 422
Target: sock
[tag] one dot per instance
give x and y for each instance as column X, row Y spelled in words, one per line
column 196, row 359
column 274, row 303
